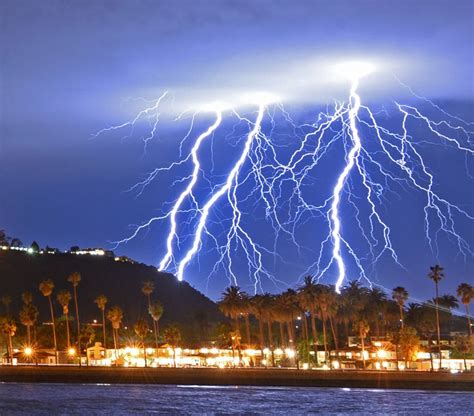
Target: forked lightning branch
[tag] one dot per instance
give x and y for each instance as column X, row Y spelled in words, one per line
column 373, row 154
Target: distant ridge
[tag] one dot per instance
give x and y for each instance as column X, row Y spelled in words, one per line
column 119, row 281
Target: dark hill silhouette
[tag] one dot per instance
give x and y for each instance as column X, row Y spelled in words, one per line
column 120, row 282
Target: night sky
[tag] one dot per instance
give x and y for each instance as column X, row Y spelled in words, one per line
column 71, row 68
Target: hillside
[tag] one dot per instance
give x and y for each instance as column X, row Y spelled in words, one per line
column 120, row 282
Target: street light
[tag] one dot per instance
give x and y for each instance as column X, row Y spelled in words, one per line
column 71, row 352
column 28, row 351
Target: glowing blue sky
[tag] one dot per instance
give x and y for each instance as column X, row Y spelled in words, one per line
column 67, row 66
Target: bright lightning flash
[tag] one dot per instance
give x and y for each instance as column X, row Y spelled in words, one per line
column 376, row 157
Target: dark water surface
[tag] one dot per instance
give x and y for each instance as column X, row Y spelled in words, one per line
column 82, row 399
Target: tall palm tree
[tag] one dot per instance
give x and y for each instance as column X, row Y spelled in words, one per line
column 353, row 301
column 115, row 316
column 172, row 337
column 74, row 279
column 400, row 295
column 148, row 287
column 156, row 312
column 46, row 287
column 8, row 327
column 288, row 302
column 307, row 297
column 268, row 315
column 28, row 317
column 362, row 328
column 465, row 292
column 6, row 301
column 101, row 302
column 141, row 329
column 377, row 299
column 436, row 274
column 245, row 311
column 281, row 318
column 323, row 299
column 258, row 310
column 64, row 297
column 231, row 304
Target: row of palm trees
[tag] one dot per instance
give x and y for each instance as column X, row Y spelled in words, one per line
column 29, row 315
column 319, row 314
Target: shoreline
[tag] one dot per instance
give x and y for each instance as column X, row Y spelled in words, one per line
column 240, row 377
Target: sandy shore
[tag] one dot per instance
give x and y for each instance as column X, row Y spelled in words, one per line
column 242, row 377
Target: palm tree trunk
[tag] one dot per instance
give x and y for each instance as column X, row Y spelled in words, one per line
column 314, row 332
column 325, row 339
column 28, row 332
column 290, row 334
column 114, row 331
column 247, row 328
column 78, row 323
column 363, row 348
column 346, row 331
column 10, row 345
column 468, row 320
column 306, row 336
column 67, row 331
column 333, row 330
column 54, row 329
column 270, row 340
column 103, row 327
column 401, row 315
column 155, row 330
column 282, row 335
column 438, row 330
column 260, row 335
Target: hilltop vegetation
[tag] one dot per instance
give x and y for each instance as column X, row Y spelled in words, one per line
column 120, row 281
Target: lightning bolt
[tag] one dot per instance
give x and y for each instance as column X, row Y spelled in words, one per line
column 277, row 174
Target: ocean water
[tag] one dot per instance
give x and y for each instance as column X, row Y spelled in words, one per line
column 87, row 399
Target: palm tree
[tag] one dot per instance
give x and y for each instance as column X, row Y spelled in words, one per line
column 436, row 274
column 353, row 301
column 323, row 299
column 289, row 303
column 172, row 336
column 245, row 311
column 8, row 327
column 156, row 312
column 466, row 293
column 46, row 287
column 148, row 287
column 101, row 301
column 308, row 299
column 400, row 295
column 115, row 316
column 74, row 279
column 377, row 299
column 28, row 316
column 231, row 304
column 64, row 297
column 258, row 306
column 6, row 301
column 362, row 328
column 268, row 315
column 141, row 329
column 463, row 345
